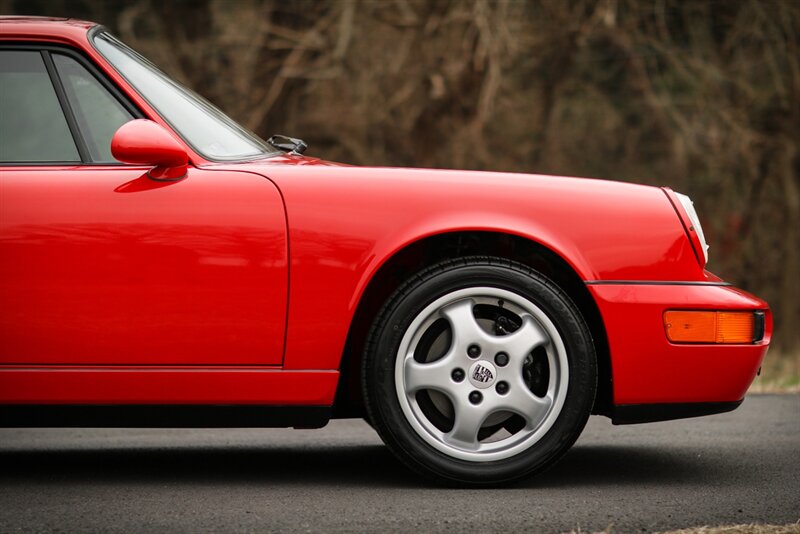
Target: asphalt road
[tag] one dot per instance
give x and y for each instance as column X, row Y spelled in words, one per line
column 739, row 467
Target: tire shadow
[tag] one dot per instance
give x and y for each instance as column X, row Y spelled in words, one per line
column 369, row 465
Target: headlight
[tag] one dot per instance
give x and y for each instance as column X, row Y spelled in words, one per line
column 688, row 205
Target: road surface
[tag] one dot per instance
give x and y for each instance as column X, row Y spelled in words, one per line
column 739, row 467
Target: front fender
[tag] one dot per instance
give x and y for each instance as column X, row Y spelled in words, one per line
column 345, row 222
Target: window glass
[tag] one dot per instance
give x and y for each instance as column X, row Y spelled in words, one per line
column 97, row 112
column 209, row 131
column 32, row 124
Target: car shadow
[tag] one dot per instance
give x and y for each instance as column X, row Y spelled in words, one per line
column 368, row 465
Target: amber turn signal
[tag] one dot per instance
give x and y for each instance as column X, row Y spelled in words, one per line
column 710, row 327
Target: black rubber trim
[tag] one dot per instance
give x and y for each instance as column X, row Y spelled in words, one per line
column 66, row 107
column 163, row 416
column 686, row 224
column 759, row 326
column 652, row 283
column 632, row 414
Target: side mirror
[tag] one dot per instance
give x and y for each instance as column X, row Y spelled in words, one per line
column 144, row 142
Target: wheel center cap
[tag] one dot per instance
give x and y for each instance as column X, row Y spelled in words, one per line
column 482, row 374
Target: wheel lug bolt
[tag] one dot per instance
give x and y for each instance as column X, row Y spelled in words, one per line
column 501, row 388
column 501, row 359
column 475, row 397
column 458, row 375
column 473, row 351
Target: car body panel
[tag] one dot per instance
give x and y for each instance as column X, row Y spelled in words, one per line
column 102, row 265
column 165, row 385
column 648, row 369
column 285, row 247
column 345, row 222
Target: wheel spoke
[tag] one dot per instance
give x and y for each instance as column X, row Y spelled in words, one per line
column 463, row 325
column 521, row 401
column 468, row 421
column 522, row 341
column 434, row 375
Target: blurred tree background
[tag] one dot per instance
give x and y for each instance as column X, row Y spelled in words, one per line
column 700, row 96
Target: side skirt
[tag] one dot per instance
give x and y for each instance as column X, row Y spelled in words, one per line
column 163, row 416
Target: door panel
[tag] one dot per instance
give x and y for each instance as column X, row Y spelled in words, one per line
column 102, row 265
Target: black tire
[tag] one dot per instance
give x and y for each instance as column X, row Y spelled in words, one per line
column 418, row 448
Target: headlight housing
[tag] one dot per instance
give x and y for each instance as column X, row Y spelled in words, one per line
column 688, row 207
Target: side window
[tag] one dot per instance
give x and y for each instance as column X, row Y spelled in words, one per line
column 32, row 124
column 96, row 110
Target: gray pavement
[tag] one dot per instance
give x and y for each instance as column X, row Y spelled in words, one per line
column 739, row 467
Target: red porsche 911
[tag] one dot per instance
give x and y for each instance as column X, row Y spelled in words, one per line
column 162, row 266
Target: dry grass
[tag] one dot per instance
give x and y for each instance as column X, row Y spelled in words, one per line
column 780, row 373
column 752, row 528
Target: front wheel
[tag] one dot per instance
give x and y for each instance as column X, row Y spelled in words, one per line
column 479, row 371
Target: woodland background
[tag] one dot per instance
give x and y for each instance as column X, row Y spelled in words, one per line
column 700, row 96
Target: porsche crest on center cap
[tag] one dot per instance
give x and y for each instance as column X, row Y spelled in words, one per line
column 482, row 374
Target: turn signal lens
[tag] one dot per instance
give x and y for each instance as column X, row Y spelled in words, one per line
column 709, row 327
column 735, row 327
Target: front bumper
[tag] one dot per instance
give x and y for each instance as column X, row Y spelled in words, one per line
column 647, row 369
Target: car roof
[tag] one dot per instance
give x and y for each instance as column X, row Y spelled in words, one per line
column 44, row 28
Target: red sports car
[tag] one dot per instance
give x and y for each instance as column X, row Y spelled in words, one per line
column 162, row 266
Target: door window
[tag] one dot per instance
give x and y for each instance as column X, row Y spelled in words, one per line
column 32, row 124
column 96, row 110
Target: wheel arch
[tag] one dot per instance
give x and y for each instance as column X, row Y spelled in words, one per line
column 414, row 256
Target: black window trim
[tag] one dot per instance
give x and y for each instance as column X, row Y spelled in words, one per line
column 66, row 107
column 46, row 49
